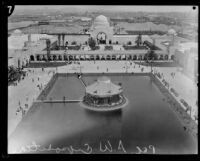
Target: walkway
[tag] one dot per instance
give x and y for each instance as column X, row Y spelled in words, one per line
column 58, row 101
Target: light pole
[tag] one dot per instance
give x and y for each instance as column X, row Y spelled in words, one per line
column 126, row 67
column 151, row 64
column 80, row 67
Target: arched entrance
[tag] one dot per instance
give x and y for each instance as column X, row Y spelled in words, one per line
column 32, row 58
column 101, row 38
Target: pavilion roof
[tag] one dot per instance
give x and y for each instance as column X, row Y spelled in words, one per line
column 103, row 87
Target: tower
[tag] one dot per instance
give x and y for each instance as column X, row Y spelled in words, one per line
column 48, row 44
column 29, row 38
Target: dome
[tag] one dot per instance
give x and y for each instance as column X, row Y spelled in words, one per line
column 17, row 31
column 171, row 32
column 101, row 21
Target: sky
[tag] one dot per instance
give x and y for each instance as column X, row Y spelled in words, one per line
column 78, row 8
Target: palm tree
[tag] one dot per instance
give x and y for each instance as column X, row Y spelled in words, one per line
column 138, row 40
column 92, row 43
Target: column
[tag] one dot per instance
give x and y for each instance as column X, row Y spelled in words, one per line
column 58, row 40
column 63, row 39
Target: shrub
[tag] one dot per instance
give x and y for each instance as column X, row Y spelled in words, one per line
column 96, row 48
column 129, row 43
column 77, row 47
column 92, row 43
column 74, row 43
column 108, row 48
column 133, row 47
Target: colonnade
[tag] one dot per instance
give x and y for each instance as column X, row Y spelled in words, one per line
column 68, row 57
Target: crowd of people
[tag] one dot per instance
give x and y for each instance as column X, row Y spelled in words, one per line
column 172, row 90
column 22, row 108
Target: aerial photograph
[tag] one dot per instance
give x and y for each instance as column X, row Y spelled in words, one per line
column 103, row 79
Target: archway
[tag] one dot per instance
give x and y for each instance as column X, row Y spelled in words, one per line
column 108, row 57
column 65, row 57
column 102, row 58
column 129, row 57
column 60, row 57
column 70, row 57
column 54, row 57
column 91, row 57
column 32, row 58
column 166, row 57
column 101, row 38
column 38, row 57
column 97, row 57
column 135, row 57
column 44, row 57
column 113, row 57
column 140, row 57
column 172, row 57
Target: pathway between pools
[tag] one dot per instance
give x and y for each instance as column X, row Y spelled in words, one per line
column 82, row 81
column 58, row 101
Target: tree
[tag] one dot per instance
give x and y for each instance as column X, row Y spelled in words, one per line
column 138, row 40
column 151, row 55
column 73, row 43
column 92, row 43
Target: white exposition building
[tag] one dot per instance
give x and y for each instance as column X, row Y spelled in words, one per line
column 109, row 46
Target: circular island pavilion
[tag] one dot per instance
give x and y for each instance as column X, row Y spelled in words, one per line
column 104, row 95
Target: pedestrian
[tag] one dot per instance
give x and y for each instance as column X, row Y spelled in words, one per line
column 23, row 112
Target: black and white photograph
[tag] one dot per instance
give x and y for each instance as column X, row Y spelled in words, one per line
column 102, row 79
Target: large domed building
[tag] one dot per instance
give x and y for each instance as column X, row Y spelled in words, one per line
column 101, row 30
